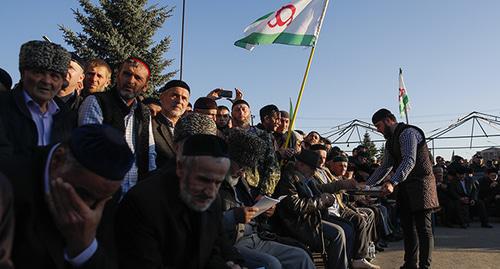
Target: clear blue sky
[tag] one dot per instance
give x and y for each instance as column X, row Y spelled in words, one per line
column 449, row 51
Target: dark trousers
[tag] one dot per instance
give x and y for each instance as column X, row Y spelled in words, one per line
column 361, row 225
column 417, row 235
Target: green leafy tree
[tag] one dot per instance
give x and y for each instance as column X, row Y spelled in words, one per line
column 118, row 29
column 368, row 143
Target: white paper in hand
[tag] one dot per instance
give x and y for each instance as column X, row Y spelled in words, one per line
column 265, row 203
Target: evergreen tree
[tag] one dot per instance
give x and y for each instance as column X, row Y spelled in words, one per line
column 119, row 29
column 381, row 152
column 368, row 143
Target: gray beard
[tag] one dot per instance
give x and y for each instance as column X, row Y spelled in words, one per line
column 187, row 198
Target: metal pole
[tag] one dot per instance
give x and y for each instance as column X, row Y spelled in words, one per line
column 182, row 36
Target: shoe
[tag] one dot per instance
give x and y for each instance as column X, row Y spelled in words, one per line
column 382, row 244
column 486, row 225
column 363, row 264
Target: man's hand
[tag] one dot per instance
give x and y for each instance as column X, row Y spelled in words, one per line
column 76, row 221
column 239, row 94
column 268, row 213
column 387, row 188
column 493, row 184
column 214, row 94
column 245, row 214
column 464, row 200
column 497, row 197
column 233, row 265
column 154, row 109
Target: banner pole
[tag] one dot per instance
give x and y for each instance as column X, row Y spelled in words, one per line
column 304, row 80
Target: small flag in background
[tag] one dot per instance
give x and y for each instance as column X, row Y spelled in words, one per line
column 291, row 109
column 296, row 23
column 404, row 100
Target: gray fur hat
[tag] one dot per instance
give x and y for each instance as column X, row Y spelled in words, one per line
column 44, row 55
column 245, row 148
column 194, row 123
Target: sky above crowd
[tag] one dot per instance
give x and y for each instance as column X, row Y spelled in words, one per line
column 449, row 51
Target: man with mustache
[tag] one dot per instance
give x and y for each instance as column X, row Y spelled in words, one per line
column 121, row 108
column 407, row 154
column 173, row 219
column 174, row 98
column 29, row 114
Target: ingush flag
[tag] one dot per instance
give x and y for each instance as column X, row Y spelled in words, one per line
column 404, row 100
column 297, row 23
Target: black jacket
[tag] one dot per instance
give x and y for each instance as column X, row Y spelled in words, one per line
column 155, row 229
column 164, row 141
column 18, row 133
column 300, row 213
column 37, row 242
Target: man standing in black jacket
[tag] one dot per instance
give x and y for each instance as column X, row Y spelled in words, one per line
column 406, row 152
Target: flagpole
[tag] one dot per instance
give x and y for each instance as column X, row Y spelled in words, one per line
column 182, row 36
column 304, row 80
column 406, row 114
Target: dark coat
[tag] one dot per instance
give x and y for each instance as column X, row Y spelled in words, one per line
column 300, row 213
column 6, row 222
column 37, row 242
column 155, row 229
column 19, row 133
column 420, row 185
column 456, row 191
column 164, row 141
column 486, row 192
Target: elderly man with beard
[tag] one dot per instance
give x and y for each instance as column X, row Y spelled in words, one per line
column 174, row 220
column 121, row 108
column 406, row 154
column 174, row 97
column 258, row 246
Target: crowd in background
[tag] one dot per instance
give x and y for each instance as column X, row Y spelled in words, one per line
column 101, row 177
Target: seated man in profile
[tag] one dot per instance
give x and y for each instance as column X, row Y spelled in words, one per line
column 173, row 220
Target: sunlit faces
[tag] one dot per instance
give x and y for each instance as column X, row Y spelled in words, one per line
column 74, row 77
column 42, row 85
column 240, row 114
column 174, row 101
column 222, row 118
column 132, row 80
column 284, row 124
column 313, row 138
column 97, row 78
column 337, row 168
column 200, row 178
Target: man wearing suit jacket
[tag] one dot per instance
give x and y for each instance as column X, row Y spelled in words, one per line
column 173, row 220
column 30, row 115
column 464, row 191
column 174, row 98
column 60, row 199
